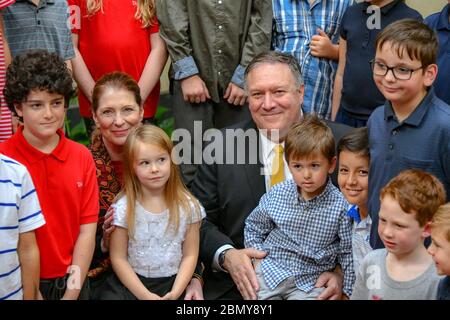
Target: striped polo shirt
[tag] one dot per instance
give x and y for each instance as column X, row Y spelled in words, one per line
column 44, row 26
column 20, row 212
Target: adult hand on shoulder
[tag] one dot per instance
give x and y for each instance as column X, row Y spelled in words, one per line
column 108, row 229
column 321, row 45
column 235, row 95
column 194, row 290
column 332, row 281
column 194, row 89
column 239, row 265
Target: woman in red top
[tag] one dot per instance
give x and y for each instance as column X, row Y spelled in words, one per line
column 117, row 35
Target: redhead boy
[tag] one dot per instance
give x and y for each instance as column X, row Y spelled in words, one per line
column 38, row 89
column 404, row 270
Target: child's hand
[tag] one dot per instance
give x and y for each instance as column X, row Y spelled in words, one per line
column 169, row 296
column 321, row 45
column 152, row 296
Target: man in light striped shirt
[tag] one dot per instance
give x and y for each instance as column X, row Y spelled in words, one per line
column 20, row 215
column 309, row 30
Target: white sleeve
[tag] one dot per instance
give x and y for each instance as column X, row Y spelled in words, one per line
column 195, row 216
column 120, row 213
column 30, row 214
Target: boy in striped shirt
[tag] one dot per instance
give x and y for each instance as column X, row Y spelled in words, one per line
column 20, row 215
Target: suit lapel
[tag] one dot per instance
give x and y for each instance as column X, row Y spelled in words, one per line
column 254, row 173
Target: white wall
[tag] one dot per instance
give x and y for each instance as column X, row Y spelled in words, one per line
column 427, row 7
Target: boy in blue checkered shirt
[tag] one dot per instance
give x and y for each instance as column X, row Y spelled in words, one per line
column 302, row 223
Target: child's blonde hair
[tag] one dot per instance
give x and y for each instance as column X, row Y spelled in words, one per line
column 176, row 195
column 146, row 10
column 441, row 220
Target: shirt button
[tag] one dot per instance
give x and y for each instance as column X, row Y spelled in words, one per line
column 220, row 51
column 220, row 1
column 220, row 27
column 394, row 132
column 39, row 22
column 391, row 146
column 219, row 73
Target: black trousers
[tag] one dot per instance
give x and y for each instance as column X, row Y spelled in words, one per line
column 115, row 290
column 54, row 289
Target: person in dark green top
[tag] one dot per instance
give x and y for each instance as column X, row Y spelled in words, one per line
column 210, row 44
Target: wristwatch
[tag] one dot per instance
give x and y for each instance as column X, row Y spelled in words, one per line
column 222, row 257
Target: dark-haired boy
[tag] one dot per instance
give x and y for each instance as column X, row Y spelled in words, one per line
column 38, row 89
column 302, row 223
column 412, row 130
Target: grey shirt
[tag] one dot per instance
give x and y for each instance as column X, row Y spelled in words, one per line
column 45, row 26
column 374, row 283
column 214, row 39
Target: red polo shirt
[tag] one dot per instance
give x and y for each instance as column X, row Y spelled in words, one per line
column 66, row 185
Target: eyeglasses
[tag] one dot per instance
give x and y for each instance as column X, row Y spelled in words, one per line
column 400, row 73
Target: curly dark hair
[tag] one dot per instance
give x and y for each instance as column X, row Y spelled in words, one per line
column 37, row 70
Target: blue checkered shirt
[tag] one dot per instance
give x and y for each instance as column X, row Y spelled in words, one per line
column 302, row 238
column 295, row 22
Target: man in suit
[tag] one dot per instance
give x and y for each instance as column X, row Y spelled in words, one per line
column 230, row 191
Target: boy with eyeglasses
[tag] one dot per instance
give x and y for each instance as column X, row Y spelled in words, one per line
column 412, row 129
column 360, row 25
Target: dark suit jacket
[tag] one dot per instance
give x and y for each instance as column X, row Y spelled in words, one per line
column 229, row 193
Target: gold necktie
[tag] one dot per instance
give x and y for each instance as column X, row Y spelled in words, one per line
column 277, row 174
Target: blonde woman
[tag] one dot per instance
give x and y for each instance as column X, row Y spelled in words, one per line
column 117, row 35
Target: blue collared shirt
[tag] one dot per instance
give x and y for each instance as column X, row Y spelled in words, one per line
column 302, row 238
column 422, row 141
column 295, row 22
column 439, row 21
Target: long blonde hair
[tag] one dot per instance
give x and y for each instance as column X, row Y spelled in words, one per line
column 176, row 194
column 146, row 10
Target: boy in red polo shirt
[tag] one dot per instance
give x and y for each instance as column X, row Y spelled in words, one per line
column 38, row 89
